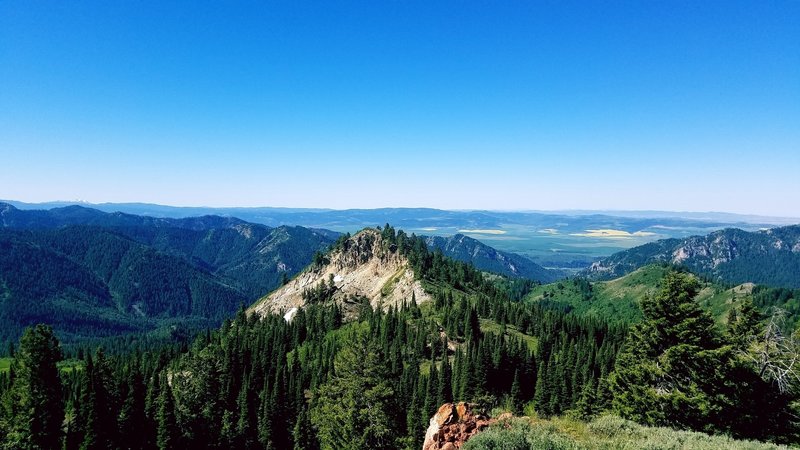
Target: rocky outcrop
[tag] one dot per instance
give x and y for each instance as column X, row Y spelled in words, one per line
column 364, row 266
column 454, row 424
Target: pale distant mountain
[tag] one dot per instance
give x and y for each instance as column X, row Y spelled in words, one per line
column 567, row 240
column 411, row 218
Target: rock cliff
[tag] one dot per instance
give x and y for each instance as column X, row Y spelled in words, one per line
column 363, row 266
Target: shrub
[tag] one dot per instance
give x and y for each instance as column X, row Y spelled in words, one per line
column 605, row 433
column 613, row 426
column 521, row 436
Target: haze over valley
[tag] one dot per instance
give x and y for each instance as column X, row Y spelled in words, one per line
column 568, row 240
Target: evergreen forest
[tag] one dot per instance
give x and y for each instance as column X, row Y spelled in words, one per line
column 319, row 381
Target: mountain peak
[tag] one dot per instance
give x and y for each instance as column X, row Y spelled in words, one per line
column 363, row 266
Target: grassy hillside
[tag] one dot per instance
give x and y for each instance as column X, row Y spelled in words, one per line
column 65, row 366
column 5, row 364
column 603, row 433
column 617, row 300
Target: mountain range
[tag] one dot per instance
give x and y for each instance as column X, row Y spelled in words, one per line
column 409, row 218
column 554, row 239
column 94, row 274
column 731, row 256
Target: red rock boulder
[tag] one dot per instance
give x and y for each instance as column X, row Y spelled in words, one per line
column 453, row 425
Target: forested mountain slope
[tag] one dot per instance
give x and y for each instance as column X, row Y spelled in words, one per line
column 88, row 282
column 12, row 217
column 466, row 249
column 130, row 274
column 732, row 256
column 252, row 258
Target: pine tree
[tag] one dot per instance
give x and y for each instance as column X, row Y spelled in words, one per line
column 516, row 394
column 264, row 424
column 472, row 325
column 303, row 433
column 38, row 410
column 431, row 391
column 132, row 418
column 246, row 430
column 444, row 388
column 87, row 414
column 279, row 413
column 168, row 435
column 541, row 397
column 98, row 409
column 414, row 423
column 671, row 368
column 351, row 409
column 744, row 323
column 587, row 402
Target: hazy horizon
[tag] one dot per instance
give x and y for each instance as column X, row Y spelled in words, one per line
column 577, row 212
column 672, row 106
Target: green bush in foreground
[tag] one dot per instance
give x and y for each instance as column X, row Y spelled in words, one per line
column 604, row 433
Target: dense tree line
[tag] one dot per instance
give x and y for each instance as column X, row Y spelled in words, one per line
column 766, row 298
column 271, row 384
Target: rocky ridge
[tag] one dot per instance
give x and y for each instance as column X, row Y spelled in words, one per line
column 731, row 255
column 364, row 266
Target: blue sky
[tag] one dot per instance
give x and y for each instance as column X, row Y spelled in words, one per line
column 670, row 105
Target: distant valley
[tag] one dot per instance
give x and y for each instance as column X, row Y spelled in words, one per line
column 484, row 257
column 569, row 240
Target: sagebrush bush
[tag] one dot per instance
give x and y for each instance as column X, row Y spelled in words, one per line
column 522, row 435
column 500, row 439
column 613, row 426
column 604, row 433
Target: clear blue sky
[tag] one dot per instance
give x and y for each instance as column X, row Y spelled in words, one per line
column 670, row 105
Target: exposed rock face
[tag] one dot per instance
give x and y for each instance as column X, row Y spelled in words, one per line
column 363, row 267
column 453, row 425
